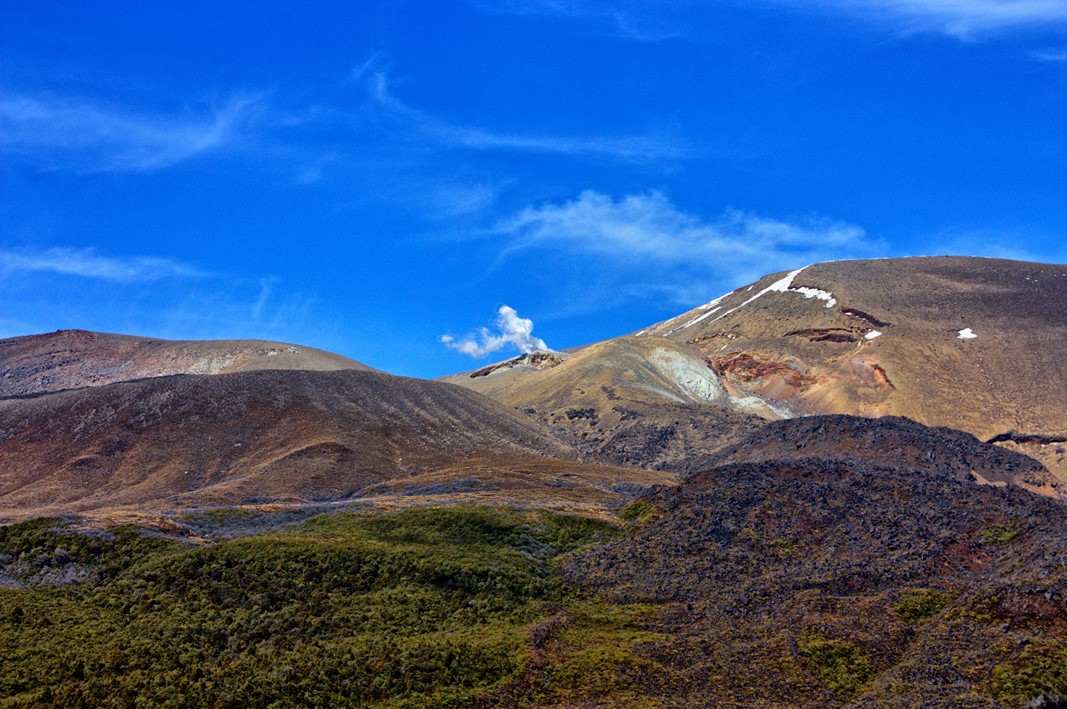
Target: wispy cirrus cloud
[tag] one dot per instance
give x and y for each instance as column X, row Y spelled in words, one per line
column 960, row 18
column 644, row 21
column 645, row 241
column 86, row 263
column 61, row 132
column 425, row 126
column 151, row 296
column 1050, row 55
column 638, row 22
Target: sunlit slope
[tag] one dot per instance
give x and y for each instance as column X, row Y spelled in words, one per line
column 280, row 436
column 650, row 402
column 974, row 344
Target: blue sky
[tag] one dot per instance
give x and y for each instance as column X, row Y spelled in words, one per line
column 372, row 178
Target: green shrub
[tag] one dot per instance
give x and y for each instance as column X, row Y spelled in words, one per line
column 840, row 664
column 1040, row 673
column 426, row 607
column 920, row 604
column 999, row 534
column 638, row 512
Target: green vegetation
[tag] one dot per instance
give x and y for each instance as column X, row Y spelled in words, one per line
column 918, row 605
column 638, row 512
column 479, row 607
column 597, row 656
column 843, row 666
column 999, row 534
column 783, row 547
column 42, row 544
column 425, row 607
column 1041, row 673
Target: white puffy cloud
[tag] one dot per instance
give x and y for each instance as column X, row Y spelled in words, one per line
column 512, row 330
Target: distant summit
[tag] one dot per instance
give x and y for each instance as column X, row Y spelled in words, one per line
column 536, row 360
column 73, row 359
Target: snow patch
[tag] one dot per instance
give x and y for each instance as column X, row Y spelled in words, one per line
column 713, row 305
column 779, row 286
column 817, row 293
column 872, row 334
column 715, row 302
column 967, row 334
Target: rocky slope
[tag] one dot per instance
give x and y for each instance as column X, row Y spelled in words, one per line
column 890, row 441
column 71, row 359
column 970, row 343
column 829, row 583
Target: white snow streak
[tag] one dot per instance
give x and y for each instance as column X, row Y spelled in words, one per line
column 967, row 334
column 779, row 286
column 872, row 334
column 698, row 318
column 783, row 285
column 715, row 302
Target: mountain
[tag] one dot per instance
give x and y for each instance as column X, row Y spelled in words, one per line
column 646, row 402
column 72, row 359
column 284, row 436
column 970, row 343
column 973, row 344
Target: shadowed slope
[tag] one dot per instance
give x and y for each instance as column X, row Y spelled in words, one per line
column 831, row 583
column 891, row 441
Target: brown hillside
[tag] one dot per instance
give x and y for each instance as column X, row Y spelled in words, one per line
column 809, row 345
column 289, row 436
column 71, row 359
column 868, row 338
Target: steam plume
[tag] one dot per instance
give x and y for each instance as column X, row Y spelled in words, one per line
column 513, row 330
